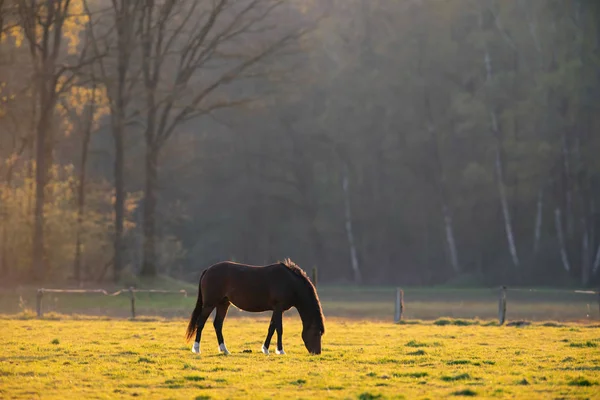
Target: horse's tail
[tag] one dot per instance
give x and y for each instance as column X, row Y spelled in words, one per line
column 193, row 325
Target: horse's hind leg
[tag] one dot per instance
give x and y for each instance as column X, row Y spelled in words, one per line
column 206, row 310
column 218, row 324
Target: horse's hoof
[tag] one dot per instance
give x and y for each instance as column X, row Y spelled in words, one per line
column 196, row 348
column 279, row 351
column 223, row 349
column 265, row 350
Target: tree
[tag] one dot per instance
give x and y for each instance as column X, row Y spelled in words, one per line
column 191, row 52
column 44, row 25
column 119, row 74
column 83, row 108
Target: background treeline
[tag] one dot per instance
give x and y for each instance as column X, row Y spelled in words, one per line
column 412, row 142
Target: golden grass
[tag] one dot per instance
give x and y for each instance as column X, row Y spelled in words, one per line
column 62, row 358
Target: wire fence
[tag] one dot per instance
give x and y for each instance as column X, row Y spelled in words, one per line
column 378, row 303
column 399, row 305
column 131, row 292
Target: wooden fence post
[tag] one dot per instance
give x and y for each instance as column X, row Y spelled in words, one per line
column 132, row 297
column 38, row 302
column 314, row 276
column 399, row 309
column 502, row 305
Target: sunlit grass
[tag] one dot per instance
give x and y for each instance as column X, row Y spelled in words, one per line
column 101, row 358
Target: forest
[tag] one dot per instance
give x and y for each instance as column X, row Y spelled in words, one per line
column 413, row 142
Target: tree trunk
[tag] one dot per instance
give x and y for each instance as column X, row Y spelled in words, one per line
column 4, row 269
column 585, row 256
column 499, row 171
column 498, row 162
column 38, row 263
column 440, row 180
column 31, row 148
column 119, row 90
column 119, row 197
column 443, row 197
column 149, row 256
column 80, row 209
column 596, row 266
column 4, row 266
column 561, row 240
column 85, row 144
column 450, row 238
column 348, row 224
column 504, row 204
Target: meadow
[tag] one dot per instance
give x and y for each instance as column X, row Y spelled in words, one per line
column 74, row 356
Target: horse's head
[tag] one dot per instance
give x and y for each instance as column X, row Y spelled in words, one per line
column 311, row 336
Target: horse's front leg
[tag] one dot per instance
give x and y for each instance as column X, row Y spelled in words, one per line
column 265, row 347
column 279, row 328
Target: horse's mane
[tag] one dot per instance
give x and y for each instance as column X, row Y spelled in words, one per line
column 304, row 277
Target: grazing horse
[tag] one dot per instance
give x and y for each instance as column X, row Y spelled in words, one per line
column 276, row 287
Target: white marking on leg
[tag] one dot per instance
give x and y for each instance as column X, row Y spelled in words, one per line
column 196, row 348
column 265, row 350
column 280, row 351
column 223, row 349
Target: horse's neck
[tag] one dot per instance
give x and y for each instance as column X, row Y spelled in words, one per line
column 303, row 315
column 305, row 305
column 307, row 316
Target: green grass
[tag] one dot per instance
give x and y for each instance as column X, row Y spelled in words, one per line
column 76, row 357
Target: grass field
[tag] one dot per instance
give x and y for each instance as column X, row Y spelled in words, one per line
column 94, row 357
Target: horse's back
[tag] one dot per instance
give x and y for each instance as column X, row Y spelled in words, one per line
column 226, row 268
column 249, row 287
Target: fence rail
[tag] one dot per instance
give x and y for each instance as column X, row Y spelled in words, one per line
column 502, row 301
column 399, row 303
column 131, row 292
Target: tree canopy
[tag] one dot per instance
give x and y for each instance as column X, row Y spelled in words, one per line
column 413, row 142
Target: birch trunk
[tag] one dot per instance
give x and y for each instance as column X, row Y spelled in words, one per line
column 561, row 240
column 585, row 256
column 596, row 262
column 450, row 238
column 441, row 184
column 498, row 163
column 504, row 202
column 348, row 224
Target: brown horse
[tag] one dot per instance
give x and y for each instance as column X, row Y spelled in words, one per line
column 276, row 287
